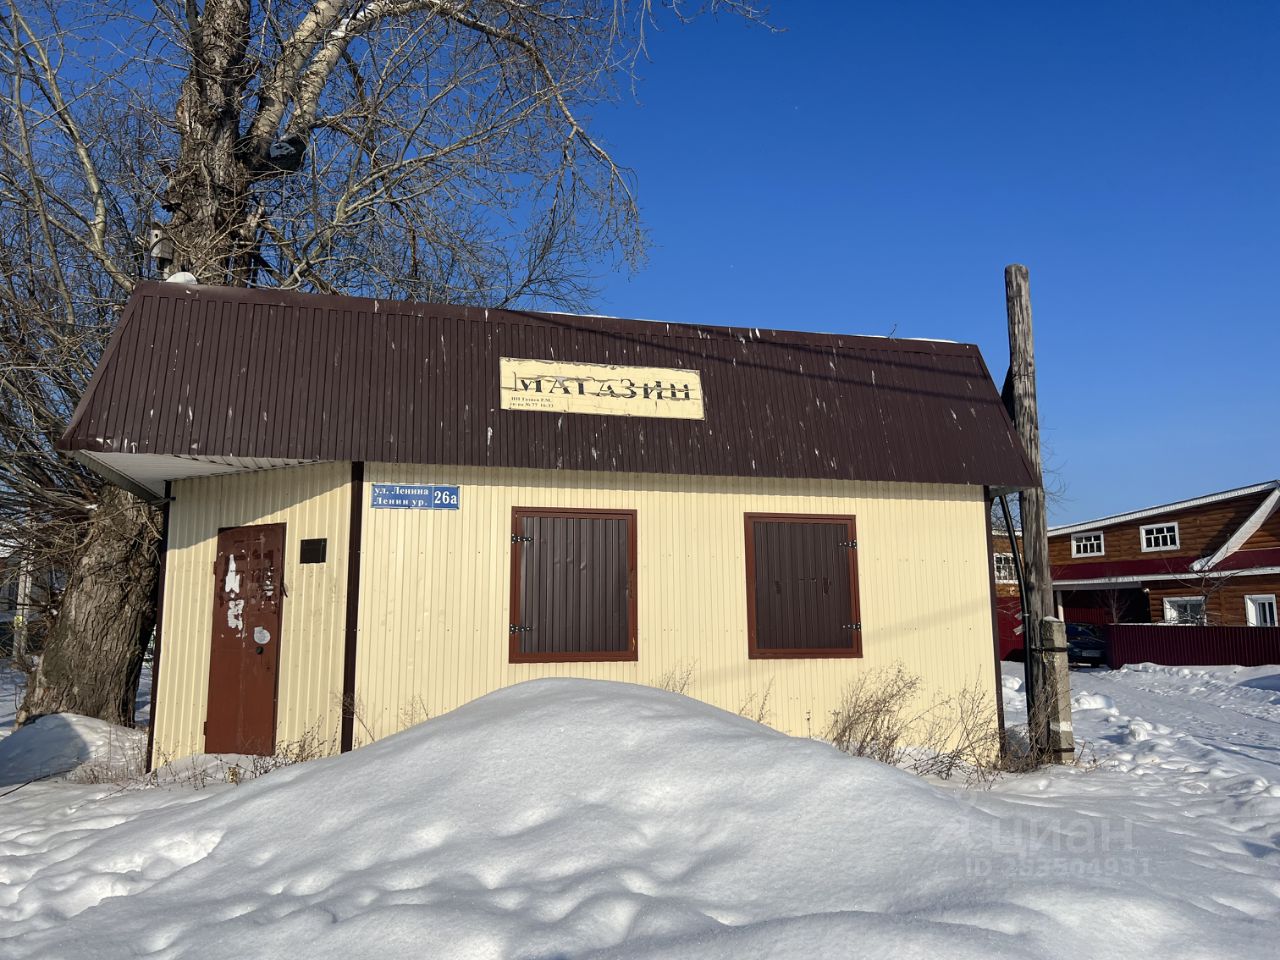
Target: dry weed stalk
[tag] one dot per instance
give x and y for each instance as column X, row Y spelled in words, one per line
column 882, row 717
column 414, row 712
column 678, row 679
column 758, row 709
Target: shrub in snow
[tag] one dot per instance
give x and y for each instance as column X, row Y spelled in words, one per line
column 203, row 769
column 875, row 715
column 885, row 715
column 756, row 706
column 681, row 677
column 677, row 679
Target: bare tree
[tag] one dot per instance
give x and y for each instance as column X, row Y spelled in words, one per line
column 1055, row 494
column 1209, row 587
column 422, row 149
column 1119, row 604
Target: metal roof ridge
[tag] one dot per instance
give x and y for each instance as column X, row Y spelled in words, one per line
column 346, row 378
column 745, row 332
column 1113, row 519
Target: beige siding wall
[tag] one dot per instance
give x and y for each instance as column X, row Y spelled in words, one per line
column 312, row 501
column 435, row 591
column 434, row 606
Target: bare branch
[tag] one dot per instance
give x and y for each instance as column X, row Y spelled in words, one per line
column 44, row 75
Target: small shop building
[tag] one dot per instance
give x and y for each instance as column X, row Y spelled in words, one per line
column 379, row 511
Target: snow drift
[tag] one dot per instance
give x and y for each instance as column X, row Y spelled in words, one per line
column 63, row 743
column 574, row 818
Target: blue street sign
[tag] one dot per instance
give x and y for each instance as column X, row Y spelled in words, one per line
column 414, row 496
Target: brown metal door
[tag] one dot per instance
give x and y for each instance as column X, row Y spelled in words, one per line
column 248, row 596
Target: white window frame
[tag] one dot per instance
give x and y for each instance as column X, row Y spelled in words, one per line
column 1169, row 616
column 1013, row 569
column 1102, row 544
column 1251, row 603
column 1142, row 536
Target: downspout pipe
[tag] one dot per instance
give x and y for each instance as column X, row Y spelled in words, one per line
column 1028, row 628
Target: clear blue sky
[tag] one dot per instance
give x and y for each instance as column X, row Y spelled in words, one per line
column 874, row 168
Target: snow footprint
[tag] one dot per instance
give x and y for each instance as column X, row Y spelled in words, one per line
column 1140, row 730
column 65, row 892
column 1094, row 701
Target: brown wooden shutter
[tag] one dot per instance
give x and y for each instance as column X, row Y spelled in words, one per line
column 573, row 585
column 802, row 586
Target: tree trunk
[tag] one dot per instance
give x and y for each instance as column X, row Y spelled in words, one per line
column 212, row 226
column 93, row 656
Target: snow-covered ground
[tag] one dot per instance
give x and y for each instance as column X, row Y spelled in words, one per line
column 10, row 696
column 11, row 688
column 582, row 819
column 66, row 745
column 82, row 748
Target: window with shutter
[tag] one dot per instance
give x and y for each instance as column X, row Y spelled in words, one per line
column 802, row 586
column 573, row 585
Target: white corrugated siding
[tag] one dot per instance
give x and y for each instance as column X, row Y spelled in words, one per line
column 312, row 501
column 434, row 607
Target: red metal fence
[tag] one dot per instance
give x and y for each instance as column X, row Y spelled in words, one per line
column 1175, row 645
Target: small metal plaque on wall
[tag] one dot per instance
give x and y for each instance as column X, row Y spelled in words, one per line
column 414, row 496
column 313, row 551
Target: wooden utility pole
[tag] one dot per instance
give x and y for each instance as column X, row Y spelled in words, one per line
column 1048, row 685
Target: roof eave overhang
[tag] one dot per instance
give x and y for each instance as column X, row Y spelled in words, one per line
column 1007, row 491
column 1138, row 579
column 115, row 477
column 145, row 474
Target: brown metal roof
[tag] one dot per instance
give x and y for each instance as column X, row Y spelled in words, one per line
column 196, row 371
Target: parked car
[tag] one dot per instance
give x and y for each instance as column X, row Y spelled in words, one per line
column 1085, row 646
